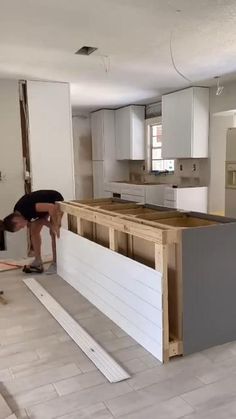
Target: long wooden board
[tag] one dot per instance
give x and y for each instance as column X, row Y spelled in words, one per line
column 103, row 361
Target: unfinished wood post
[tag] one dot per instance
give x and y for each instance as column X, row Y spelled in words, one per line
column 113, row 239
column 79, row 226
column 130, row 246
column 161, row 265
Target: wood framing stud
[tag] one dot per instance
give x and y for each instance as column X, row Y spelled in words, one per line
column 80, row 226
column 175, row 348
column 113, row 239
column 159, row 257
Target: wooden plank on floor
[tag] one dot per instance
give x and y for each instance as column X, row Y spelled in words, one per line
column 103, row 361
column 5, row 410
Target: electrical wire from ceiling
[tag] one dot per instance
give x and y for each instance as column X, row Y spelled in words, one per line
column 173, row 61
column 106, row 62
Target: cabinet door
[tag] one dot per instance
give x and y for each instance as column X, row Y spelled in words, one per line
column 50, row 140
column 154, row 195
column 97, row 120
column 123, row 132
column 192, row 199
column 109, row 135
column 137, row 146
column 177, row 124
column 98, row 181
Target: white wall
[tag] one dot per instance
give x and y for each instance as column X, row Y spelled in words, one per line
column 220, row 121
column 217, row 149
column 82, row 157
column 11, row 163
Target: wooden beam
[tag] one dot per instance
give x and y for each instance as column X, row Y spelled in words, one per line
column 80, row 226
column 161, row 265
column 116, row 214
column 118, row 223
column 175, row 348
column 113, row 239
column 130, row 246
column 103, row 361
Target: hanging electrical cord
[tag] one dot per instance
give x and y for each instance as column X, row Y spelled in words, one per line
column 173, row 61
column 106, row 62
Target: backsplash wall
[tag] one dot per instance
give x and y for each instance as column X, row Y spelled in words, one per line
column 195, row 172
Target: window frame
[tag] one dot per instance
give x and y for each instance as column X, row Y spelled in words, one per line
column 149, row 147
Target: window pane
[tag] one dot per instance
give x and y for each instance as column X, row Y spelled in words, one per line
column 156, row 130
column 156, row 153
column 156, row 142
column 157, row 165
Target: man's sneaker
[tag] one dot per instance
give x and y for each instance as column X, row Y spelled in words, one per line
column 52, row 270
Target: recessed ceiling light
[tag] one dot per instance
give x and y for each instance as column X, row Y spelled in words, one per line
column 86, row 50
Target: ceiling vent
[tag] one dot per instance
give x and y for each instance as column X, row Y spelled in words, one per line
column 85, row 50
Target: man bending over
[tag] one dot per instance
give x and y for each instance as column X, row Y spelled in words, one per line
column 37, row 209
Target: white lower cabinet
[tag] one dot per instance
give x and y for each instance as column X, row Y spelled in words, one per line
column 187, row 199
column 134, row 198
column 145, row 194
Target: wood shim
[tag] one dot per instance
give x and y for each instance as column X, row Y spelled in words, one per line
column 103, row 361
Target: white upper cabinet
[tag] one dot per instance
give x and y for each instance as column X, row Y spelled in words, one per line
column 103, row 134
column 185, row 123
column 97, row 135
column 129, row 129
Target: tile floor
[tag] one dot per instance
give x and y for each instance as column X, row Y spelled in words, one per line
column 44, row 375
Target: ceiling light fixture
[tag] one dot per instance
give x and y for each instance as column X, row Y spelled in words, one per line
column 219, row 88
column 85, row 50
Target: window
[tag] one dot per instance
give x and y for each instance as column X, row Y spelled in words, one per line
column 157, row 163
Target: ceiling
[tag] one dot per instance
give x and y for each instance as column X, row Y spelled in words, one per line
column 38, row 40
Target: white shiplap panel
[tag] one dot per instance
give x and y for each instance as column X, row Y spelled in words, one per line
column 103, row 305
column 136, row 283
column 93, row 270
column 103, row 361
column 134, row 316
column 135, row 271
column 106, row 284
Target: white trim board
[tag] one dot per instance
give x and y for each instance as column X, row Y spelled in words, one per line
column 126, row 291
column 103, row 361
column 5, row 411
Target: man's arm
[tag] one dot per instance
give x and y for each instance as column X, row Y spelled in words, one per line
column 52, row 210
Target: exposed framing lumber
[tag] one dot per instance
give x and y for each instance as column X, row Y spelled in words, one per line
column 175, row 348
column 113, row 239
column 161, row 264
column 103, row 361
column 120, row 224
column 79, row 226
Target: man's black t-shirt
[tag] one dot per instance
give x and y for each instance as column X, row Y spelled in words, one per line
column 26, row 205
